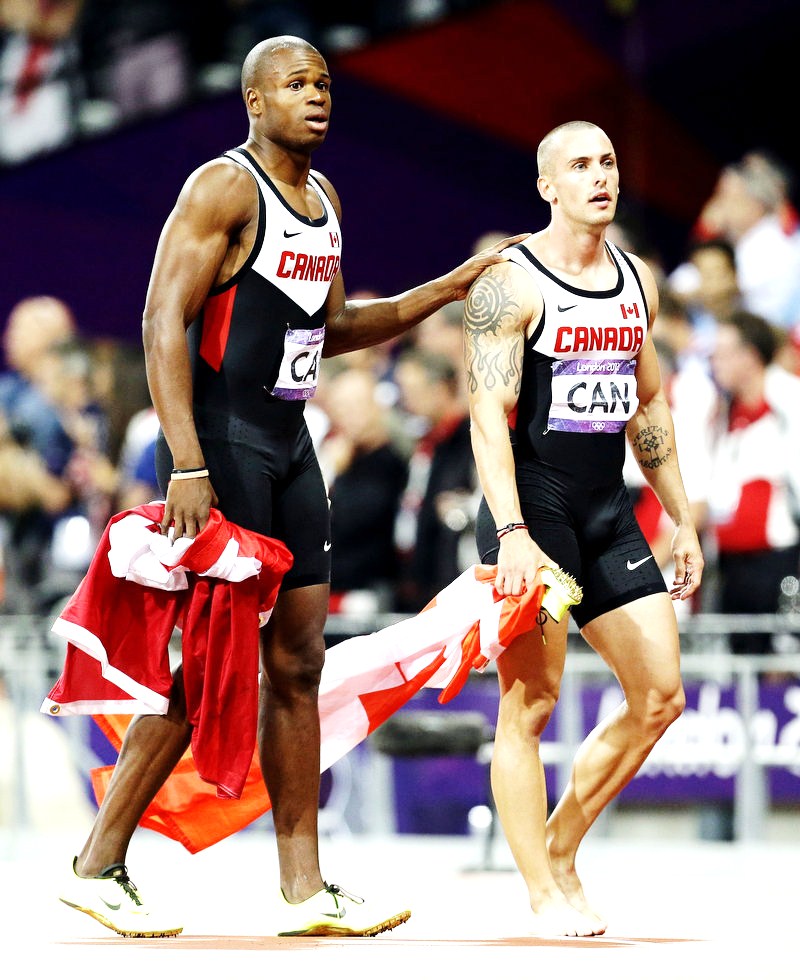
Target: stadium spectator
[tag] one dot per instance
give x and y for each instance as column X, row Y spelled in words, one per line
column 35, row 326
column 755, row 484
column 439, row 501
column 748, row 208
column 40, row 83
column 37, row 484
column 692, row 398
column 135, row 55
column 716, row 293
column 366, row 476
column 443, row 334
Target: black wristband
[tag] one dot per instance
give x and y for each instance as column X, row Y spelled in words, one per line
column 514, row 526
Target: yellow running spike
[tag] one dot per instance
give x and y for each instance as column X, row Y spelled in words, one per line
column 561, row 592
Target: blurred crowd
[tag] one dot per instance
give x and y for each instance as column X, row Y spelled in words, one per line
column 728, row 338
column 391, row 428
column 70, row 68
column 390, row 423
column 76, row 445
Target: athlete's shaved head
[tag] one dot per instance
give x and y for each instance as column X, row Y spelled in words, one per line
column 258, row 60
column 545, row 155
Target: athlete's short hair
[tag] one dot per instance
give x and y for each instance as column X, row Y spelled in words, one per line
column 258, row 58
column 544, row 153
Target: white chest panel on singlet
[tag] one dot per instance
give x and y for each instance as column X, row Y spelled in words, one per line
column 300, row 256
column 592, row 339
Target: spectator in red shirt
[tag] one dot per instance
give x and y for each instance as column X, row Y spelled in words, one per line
column 753, row 497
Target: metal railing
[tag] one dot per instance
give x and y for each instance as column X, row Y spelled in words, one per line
column 31, row 658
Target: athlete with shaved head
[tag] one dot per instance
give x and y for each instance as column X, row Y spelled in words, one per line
column 561, row 367
column 246, row 295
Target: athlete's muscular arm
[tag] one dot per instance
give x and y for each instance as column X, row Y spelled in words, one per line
column 499, row 307
column 355, row 324
column 651, row 434
column 197, row 247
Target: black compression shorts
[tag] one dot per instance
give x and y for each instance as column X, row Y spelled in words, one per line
column 591, row 532
column 269, row 482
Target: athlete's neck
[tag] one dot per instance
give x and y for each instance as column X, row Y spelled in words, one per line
column 572, row 252
column 281, row 163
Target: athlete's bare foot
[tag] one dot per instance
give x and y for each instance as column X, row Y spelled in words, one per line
column 570, row 884
column 556, row 917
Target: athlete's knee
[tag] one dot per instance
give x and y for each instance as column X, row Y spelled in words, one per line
column 674, row 705
column 293, row 644
column 530, row 720
column 295, row 668
column 661, row 706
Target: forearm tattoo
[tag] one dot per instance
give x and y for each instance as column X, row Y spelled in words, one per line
column 652, row 448
column 493, row 356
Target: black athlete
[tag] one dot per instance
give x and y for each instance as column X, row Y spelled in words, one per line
column 249, row 260
column 561, row 366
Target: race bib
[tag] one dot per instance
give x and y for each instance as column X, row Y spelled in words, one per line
column 299, row 370
column 592, row 396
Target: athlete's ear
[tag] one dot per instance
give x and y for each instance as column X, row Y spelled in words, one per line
column 545, row 189
column 252, row 100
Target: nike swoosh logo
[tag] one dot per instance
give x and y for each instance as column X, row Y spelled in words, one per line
column 114, row 908
column 338, row 914
column 326, row 546
column 635, row 564
column 563, row 309
column 291, row 234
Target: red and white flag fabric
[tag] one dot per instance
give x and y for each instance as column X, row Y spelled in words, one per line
column 217, row 589
column 365, row 680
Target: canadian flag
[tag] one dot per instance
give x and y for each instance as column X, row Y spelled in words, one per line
column 217, row 589
column 365, row 680
column 632, row 310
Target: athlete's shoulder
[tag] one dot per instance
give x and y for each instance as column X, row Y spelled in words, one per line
column 510, row 271
column 503, row 292
column 220, row 174
column 329, row 189
column 637, row 262
column 515, row 271
column 222, row 186
column 648, row 280
column 321, row 179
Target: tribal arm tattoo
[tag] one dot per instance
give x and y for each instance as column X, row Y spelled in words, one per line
column 493, row 340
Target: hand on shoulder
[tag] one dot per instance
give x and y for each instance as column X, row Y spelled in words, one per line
column 503, row 295
column 465, row 275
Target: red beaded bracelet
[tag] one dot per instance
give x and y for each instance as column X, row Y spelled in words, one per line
column 514, row 526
